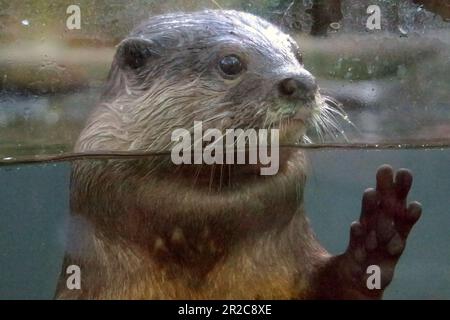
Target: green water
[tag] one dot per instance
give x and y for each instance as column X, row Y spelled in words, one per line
column 34, row 202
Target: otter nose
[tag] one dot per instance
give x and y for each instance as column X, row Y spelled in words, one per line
column 301, row 86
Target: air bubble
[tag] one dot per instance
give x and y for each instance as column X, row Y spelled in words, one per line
column 335, row 25
column 403, row 31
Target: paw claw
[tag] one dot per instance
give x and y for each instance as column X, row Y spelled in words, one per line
column 403, row 182
column 356, row 229
column 385, row 178
column 369, row 205
column 356, row 234
column 414, row 211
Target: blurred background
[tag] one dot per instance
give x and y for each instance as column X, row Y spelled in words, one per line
column 393, row 82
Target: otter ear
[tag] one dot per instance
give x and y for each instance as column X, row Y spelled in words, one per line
column 133, row 53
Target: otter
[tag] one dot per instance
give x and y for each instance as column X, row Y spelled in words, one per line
column 146, row 228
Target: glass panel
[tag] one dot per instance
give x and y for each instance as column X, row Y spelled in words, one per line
column 100, row 103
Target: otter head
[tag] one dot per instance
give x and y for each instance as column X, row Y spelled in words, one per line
column 227, row 69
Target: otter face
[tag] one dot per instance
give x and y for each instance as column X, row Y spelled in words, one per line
column 227, row 69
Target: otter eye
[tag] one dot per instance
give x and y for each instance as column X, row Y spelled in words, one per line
column 231, row 65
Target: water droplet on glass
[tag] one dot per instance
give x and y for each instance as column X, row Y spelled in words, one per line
column 403, row 31
column 401, row 71
column 52, row 118
column 335, row 25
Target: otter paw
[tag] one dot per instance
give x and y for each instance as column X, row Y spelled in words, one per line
column 379, row 237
